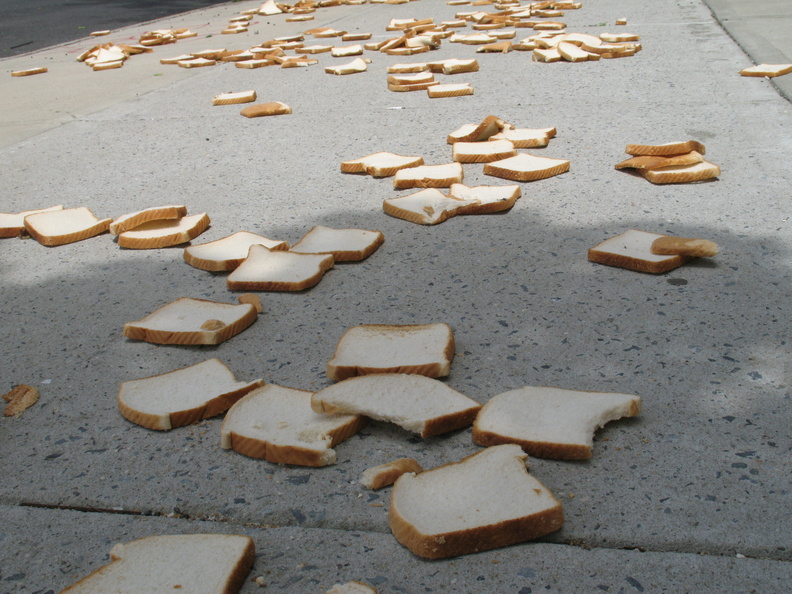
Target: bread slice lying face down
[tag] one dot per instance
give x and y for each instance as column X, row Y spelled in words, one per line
column 183, row 396
column 275, row 270
column 380, row 164
column 195, row 563
column 486, row 501
column 633, row 250
column 427, row 207
column 345, row 245
column 13, row 224
column 277, row 424
column 62, row 226
column 551, row 422
column 229, row 252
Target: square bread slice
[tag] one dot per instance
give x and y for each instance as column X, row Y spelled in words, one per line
column 525, row 167
column 275, row 270
column 13, row 224
column 488, row 127
column 685, row 246
column 429, row 176
column 483, row 152
column 633, row 250
column 682, row 174
column 68, row 225
column 192, row 321
column 183, row 396
column 277, row 424
column 229, row 252
column 487, row 500
column 129, row 221
column 449, row 90
column 551, row 422
column 426, row 207
column 380, row 164
column 345, row 245
column 655, row 162
column 164, row 233
column 425, row 349
column 488, row 199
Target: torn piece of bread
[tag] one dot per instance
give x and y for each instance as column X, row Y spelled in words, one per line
column 768, row 70
column 162, row 233
column 234, row 98
column 182, row 397
column 356, row 65
column 19, row 399
column 345, row 245
column 13, row 224
column 426, row 207
column 485, row 199
column 346, row 51
column 386, row 474
column 685, row 246
column 483, row 152
column 352, row 587
column 414, row 402
column 195, row 563
column 429, row 176
column 425, row 349
column 380, row 164
column 276, row 270
column 266, row 109
column 525, row 167
column 488, row 127
column 129, row 221
column 59, row 227
column 551, row 422
column 526, row 137
column 449, row 90
column 655, row 162
column 192, row 321
column 682, row 174
column 277, row 424
column 664, row 150
column 633, row 250
column 229, row 252
column 487, row 500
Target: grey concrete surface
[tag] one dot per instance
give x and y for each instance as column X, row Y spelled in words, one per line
column 698, row 481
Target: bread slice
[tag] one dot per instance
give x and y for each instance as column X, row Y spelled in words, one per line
column 29, row 71
column 346, row 51
column 664, row 150
column 380, row 164
column 164, row 233
column 129, row 221
column 426, row 207
column 489, row 126
column 681, row 174
column 526, row 137
column 59, row 227
column 633, row 250
column 275, row 270
column 13, row 224
column 499, row 47
column 234, row 98
column 429, row 176
column 411, row 78
column 655, row 162
column 551, row 422
column 183, row 396
column 195, row 563
column 488, row 199
column 352, row 587
column 525, row 167
column 768, row 70
column 408, row 68
column 277, row 424
column 266, row 109
column 385, row 475
column 449, row 90
column 487, row 500
column 355, row 66
column 425, row 349
column 483, row 152
column 229, row 252
column 684, row 246
column 345, row 245
column 414, row 402
column 454, row 66
column 192, row 321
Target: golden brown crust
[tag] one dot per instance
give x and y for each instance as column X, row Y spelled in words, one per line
column 227, row 264
column 449, row 90
column 386, row 474
column 682, row 174
column 19, row 399
column 486, row 153
column 538, row 449
column 638, row 264
column 125, row 240
column 533, row 175
column 674, row 148
column 684, row 246
column 175, row 211
column 323, row 266
column 451, row 422
column 653, row 162
column 266, row 109
column 252, row 299
column 429, row 179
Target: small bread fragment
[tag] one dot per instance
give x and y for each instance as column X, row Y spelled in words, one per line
column 429, row 176
column 229, row 252
column 550, row 422
column 276, row 270
column 234, row 98
column 13, row 224
column 681, row 174
column 485, row 199
column 485, row 501
column 266, row 109
column 277, row 424
column 768, row 70
column 29, row 71
column 449, row 90
column 386, row 474
column 380, row 164
column 426, row 349
column 19, row 399
column 488, row 127
column 483, row 152
column 356, row 65
column 345, row 245
column 352, row 587
column 655, row 162
column 129, row 221
column 182, row 397
column 664, row 150
column 633, row 250
column 426, row 207
column 195, row 563
column 181, row 322
column 59, row 227
column 408, row 68
column 162, row 233
column 525, row 167
column 685, row 246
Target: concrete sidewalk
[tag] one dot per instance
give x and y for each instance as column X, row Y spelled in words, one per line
column 692, row 495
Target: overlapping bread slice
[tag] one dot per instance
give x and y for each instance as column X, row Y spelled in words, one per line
column 525, row 167
column 277, row 424
column 234, row 98
column 195, row 563
column 276, row 270
column 681, row 174
column 345, row 245
column 386, row 474
column 653, row 162
column 454, row 66
column 449, row 90
column 425, row 349
column 429, row 176
column 380, row 164
column 426, row 207
column 190, row 321
column 685, row 246
column 485, row 199
column 183, row 396
column 526, row 137
column 162, row 233
column 229, row 252
column 59, row 227
column 129, row 221
column 488, row 127
column 483, row 152
column 664, row 150
column 13, row 224
column 487, row 500
column 551, row 422
column 633, row 250
column 414, row 402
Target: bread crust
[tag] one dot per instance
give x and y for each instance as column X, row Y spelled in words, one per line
column 129, row 240
column 385, row 475
column 512, row 170
column 430, row 176
column 538, row 449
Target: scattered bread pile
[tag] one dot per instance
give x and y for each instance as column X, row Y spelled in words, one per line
column 109, row 56
column 670, row 163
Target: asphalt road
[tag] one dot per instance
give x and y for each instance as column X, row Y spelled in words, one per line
column 35, row 24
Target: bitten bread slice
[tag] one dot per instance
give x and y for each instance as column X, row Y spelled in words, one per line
column 129, row 221
column 183, row 396
column 550, row 422
column 429, row 176
column 345, row 245
column 229, row 252
column 277, row 424
column 414, row 402
column 274, row 270
column 663, row 150
column 195, row 563
column 483, row 152
column 386, row 474
column 682, row 174
column 164, row 233
column 60, row 227
column 487, row 199
column 13, row 224
column 426, row 207
column 487, row 500
column 633, row 250
column 192, row 321
column 380, row 164
column 685, row 246
column 426, row 349
column 525, row 167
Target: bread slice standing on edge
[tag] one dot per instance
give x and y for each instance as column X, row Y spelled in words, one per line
column 164, row 233
column 345, row 245
column 277, row 424
column 129, row 221
column 13, row 224
column 633, row 250
column 229, row 252
column 194, row 563
column 525, row 167
column 429, row 176
column 426, row 349
column 183, row 396
column 426, row 207
column 274, row 270
column 416, row 403
column 386, row 474
column 487, row 500
column 380, row 164
column 550, row 422
column 59, row 227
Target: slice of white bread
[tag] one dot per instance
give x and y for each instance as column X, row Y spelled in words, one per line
column 13, row 224
column 183, row 396
column 768, row 70
column 414, row 402
column 352, row 588
column 380, row 164
column 426, row 207
column 164, row 232
column 526, row 137
column 429, row 176
column 487, row 500
column 449, row 90
column 682, row 174
column 427, row 349
column 271, row 108
column 353, row 67
column 489, row 126
column 129, row 221
column 386, row 474
column 483, row 152
column 664, row 150
column 487, row 199
column 685, row 246
column 192, row 321
column 654, row 162
column 633, row 250
column 277, row 424
column 550, row 422
column 59, row 227
column 234, row 98
column 229, row 252
column 454, row 66
column 525, row 167
column 345, row 245
column 195, row 563
column 274, row 270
